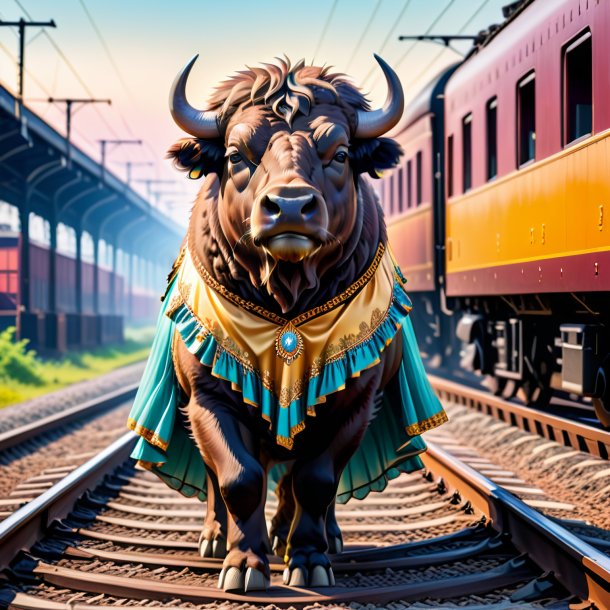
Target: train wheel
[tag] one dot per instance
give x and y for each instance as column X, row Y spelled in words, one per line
column 602, row 404
column 602, row 410
column 538, row 368
column 495, row 384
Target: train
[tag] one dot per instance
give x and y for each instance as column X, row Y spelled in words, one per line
column 499, row 213
column 71, row 324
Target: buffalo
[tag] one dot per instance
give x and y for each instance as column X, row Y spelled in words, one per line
column 284, row 353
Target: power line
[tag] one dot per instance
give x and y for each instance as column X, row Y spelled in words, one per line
column 72, row 69
column 113, row 63
column 325, row 29
column 364, row 32
column 22, row 25
column 43, row 88
column 387, row 38
column 440, row 53
column 430, row 28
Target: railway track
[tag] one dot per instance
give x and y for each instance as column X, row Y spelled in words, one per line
column 108, row 535
column 562, row 430
column 37, row 430
column 36, row 455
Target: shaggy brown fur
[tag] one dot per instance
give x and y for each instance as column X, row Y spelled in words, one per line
column 273, row 99
column 284, row 219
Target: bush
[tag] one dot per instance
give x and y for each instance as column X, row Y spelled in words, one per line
column 18, row 363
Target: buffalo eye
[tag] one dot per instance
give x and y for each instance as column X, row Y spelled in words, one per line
column 340, row 157
column 235, row 158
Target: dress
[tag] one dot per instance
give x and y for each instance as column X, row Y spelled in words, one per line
column 285, row 369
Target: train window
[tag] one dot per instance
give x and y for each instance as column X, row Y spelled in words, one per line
column 450, row 166
column 467, row 152
column 578, row 89
column 409, row 184
column 526, row 119
column 418, row 178
column 492, row 138
column 401, row 189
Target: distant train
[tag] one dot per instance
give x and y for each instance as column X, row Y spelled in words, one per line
column 499, row 214
column 74, row 324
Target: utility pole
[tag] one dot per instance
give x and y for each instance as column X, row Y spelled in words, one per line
column 149, row 181
column 131, row 164
column 22, row 24
column 159, row 194
column 69, row 102
column 114, row 144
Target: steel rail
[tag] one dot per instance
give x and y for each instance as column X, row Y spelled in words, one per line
column 579, row 567
column 553, row 427
column 30, row 522
column 13, row 437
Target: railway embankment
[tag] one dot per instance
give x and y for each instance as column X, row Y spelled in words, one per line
column 561, row 474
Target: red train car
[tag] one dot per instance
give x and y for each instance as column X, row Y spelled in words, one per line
column 526, row 141
column 412, row 196
column 528, row 147
column 66, row 327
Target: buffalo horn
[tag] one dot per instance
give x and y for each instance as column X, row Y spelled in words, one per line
column 199, row 123
column 373, row 123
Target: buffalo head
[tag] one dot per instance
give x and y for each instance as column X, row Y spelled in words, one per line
column 285, row 146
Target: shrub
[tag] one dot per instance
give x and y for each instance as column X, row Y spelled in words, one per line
column 17, row 362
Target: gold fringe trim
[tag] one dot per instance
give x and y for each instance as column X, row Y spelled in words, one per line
column 305, row 316
column 288, row 441
column 148, row 435
column 427, row 424
column 149, row 465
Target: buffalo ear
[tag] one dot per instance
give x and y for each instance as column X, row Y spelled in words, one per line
column 198, row 157
column 375, row 155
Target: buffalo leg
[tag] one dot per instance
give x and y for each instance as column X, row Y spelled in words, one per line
column 280, row 524
column 315, row 482
column 333, row 532
column 241, row 481
column 213, row 539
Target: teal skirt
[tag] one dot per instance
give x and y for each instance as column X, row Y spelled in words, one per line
column 390, row 446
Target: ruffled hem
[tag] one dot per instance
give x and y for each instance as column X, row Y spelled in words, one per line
column 286, row 421
column 390, row 446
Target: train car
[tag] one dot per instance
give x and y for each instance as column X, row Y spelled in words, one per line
column 520, row 225
column 527, row 234
column 412, row 196
column 65, row 328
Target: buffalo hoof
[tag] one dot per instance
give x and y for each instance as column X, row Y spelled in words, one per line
column 335, row 545
column 279, row 546
column 317, row 576
column 235, row 579
column 212, row 548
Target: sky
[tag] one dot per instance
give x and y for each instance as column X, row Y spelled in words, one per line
column 130, row 51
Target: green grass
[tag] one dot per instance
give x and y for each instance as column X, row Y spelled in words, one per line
column 25, row 375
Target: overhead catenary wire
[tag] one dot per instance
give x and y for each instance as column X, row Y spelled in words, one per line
column 72, row 69
column 425, row 69
column 87, row 89
column 45, row 90
column 112, row 61
column 121, row 79
column 388, row 37
column 325, row 29
column 363, row 35
column 428, row 31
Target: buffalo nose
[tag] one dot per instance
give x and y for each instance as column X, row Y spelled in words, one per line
column 303, row 207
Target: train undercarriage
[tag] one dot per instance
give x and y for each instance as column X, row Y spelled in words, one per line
column 537, row 345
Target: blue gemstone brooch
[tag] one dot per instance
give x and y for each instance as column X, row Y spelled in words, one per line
column 288, row 343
